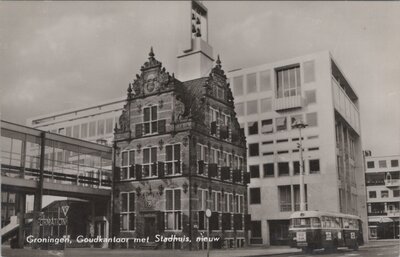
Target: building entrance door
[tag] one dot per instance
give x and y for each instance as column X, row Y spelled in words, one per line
column 150, row 227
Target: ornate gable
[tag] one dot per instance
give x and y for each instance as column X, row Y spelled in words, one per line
column 217, row 85
column 153, row 79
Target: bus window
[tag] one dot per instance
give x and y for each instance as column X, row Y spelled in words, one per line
column 300, row 222
column 315, row 223
column 346, row 223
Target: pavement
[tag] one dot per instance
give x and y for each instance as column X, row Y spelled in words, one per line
column 242, row 252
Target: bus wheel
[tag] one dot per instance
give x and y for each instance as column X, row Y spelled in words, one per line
column 307, row 250
column 355, row 246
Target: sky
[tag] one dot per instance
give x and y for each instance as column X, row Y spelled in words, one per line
column 61, row 55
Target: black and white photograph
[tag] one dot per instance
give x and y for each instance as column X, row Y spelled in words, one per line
column 200, row 128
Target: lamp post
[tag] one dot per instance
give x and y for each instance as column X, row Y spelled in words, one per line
column 300, row 125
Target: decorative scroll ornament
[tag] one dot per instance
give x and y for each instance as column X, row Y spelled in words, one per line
column 153, row 78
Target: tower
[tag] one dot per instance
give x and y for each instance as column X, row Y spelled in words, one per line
column 195, row 59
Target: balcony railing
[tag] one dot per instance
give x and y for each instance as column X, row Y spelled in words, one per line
column 284, row 103
column 392, row 182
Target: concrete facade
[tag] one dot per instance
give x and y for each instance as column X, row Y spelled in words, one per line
column 318, row 93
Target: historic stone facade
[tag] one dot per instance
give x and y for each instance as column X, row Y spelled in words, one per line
column 180, row 151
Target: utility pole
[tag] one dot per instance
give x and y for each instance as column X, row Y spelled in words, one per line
column 300, row 125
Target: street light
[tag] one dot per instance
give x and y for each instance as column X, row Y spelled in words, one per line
column 300, row 125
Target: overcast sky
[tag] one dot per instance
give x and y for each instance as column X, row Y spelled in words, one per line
column 60, row 55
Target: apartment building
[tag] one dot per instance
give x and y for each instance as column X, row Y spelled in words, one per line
column 383, row 195
column 268, row 99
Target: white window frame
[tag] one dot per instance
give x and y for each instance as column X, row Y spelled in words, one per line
column 174, row 211
column 149, row 164
column 128, row 213
column 151, row 121
column 128, row 164
column 173, row 161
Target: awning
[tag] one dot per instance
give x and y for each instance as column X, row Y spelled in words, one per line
column 380, row 219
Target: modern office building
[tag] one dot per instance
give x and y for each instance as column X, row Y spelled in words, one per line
column 383, row 196
column 93, row 123
column 268, row 99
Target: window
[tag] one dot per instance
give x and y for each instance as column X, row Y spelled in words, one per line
column 288, row 82
column 285, row 198
column 311, row 119
column 216, row 201
column 202, row 158
column 269, row 170
column 76, row 131
column 150, row 120
column 239, row 108
column 310, row 96
column 252, row 107
column 254, row 150
column 92, row 129
column 267, row 127
column 238, row 85
column 282, row 140
column 266, row 105
column 314, row 166
column 149, row 163
column 253, row 128
column 251, row 83
column 100, row 127
column 68, row 131
column 372, row 194
column 384, row 194
column 256, row 229
column 396, row 193
column 127, row 217
column 268, row 142
column 370, row 164
column 254, row 171
column 283, row 169
column 173, row 210
column 382, row 163
column 281, row 124
column 228, row 202
column 127, row 162
column 394, row 163
column 255, row 195
column 109, row 125
column 84, row 130
column 296, row 168
column 265, row 80
column 61, row 131
column 173, row 159
column 296, row 118
column 202, row 202
column 309, row 71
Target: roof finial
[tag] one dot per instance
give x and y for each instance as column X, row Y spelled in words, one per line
column 151, row 54
column 218, row 62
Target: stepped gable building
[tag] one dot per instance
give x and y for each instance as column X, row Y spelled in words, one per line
column 179, row 151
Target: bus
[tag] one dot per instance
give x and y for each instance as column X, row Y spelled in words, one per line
column 311, row 230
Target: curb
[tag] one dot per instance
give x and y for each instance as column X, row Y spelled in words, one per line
column 377, row 246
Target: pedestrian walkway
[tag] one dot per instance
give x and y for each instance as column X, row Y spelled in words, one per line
column 242, row 252
column 382, row 242
column 96, row 252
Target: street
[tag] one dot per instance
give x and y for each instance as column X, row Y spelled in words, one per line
column 384, row 251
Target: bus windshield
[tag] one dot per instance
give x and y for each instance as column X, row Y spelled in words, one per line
column 305, row 222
